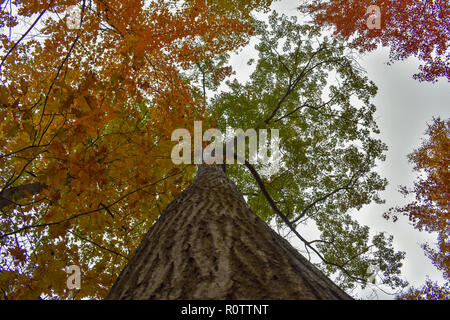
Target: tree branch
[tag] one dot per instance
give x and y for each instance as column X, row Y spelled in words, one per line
column 104, row 207
column 11, row 195
column 292, row 85
column 312, row 204
column 98, row 245
column 290, row 224
column 22, row 37
column 62, row 65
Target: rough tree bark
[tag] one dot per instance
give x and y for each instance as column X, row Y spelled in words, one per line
column 209, row 244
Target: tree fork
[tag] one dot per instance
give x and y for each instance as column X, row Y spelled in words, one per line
column 209, row 244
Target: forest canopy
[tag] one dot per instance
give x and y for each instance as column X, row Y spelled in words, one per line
column 87, row 111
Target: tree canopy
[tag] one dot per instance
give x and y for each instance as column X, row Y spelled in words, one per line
column 408, row 28
column 86, row 117
column 85, row 135
column 328, row 144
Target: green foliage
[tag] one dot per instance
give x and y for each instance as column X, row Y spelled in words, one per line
column 310, row 88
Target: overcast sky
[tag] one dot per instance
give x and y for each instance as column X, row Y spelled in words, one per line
column 404, row 107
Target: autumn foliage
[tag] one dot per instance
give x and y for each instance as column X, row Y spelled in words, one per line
column 86, row 115
column 408, row 28
column 88, row 104
column 431, row 209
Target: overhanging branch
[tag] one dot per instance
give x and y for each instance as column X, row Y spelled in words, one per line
column 291, row 225
column 11, row 195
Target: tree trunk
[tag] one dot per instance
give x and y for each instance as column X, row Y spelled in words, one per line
column 209, row 244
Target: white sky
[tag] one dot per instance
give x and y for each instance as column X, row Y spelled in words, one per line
column 404, row 107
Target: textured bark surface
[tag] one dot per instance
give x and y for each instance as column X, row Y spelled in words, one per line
column 208, row 244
